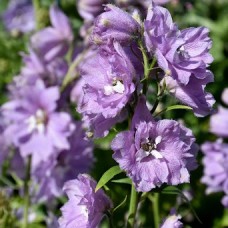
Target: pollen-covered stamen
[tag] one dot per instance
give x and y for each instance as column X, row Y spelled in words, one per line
column 116, row 87
column 150, row 147
column 37, row 121
column 181, row 51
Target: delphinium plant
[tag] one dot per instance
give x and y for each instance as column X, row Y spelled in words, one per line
column 114, row 81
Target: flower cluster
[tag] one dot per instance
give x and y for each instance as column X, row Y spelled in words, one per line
column 215, row 168
column 50, row 175
column 36, row 120
column 35, row 127
column 109, row 77
column 107, row 93
column 155, row 152
column 216, row 154
column 152, row 152
column 19, row 16
column 184, row 56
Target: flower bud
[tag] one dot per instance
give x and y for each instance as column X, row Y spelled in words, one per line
column 115, row 24
column 89, row 9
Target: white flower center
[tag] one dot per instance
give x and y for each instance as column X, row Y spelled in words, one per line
column 37, row 121
column 84, row 211
column 181, row 50
column 116, row 87
column 151, row 147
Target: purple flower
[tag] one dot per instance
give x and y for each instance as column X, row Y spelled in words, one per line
column 159, row 29
column 52, row 174
column 161, row 2
column 215, row 167
column 115, row 24
column 219, row 122
column 172, row 221
column 89, row 9
column 108, row 78
column 181, row 54
column 53, row 42
column 153, row 153
column 77, row 91
column 225, row 201
column 225, row 96
column 52, row 72
column 193, row 93
column 98, row 126
column 7, row 153
column 85, row 207
column 34, row 125
column 19, row 16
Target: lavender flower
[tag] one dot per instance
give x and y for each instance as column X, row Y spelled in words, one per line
column 53, row 42
column 161, row 2
column 193, row 93
column 85, row 207
column 115, row 24
column 159, row 29
column 34, row 125
column 19, row 16
column 219, row 122
column 108, row 78
column 7, row 153
column 98, row 126
column 225, row 201
column 52, row 174
column 172, row 221
column 215, row 168
column 225, row 96
column 90, row 9
column 77, row 91
column 52, row 72
column 153, row 153
column 181, row 54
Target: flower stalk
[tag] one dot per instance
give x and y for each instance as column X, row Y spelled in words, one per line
column 71, row 74
column 133, row 207
column 155, row 207
column 36, row 6
column 26, row 192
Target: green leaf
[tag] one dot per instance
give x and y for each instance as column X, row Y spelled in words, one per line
column 107, row 176
column 18, row 181
column 120, row 205
column 170, row 190
column 225, row 219
column 173, row 107
column 123, row 181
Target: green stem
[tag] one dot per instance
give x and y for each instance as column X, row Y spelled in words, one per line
column 110, row 219
column 155, row 204
column 133, row 207
column 160, row 93
column 155, row 106
column 36, row 6
column 156, row 210
column 26, row 192
column 146, row 68
column 173, row 107
column 71, row 75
